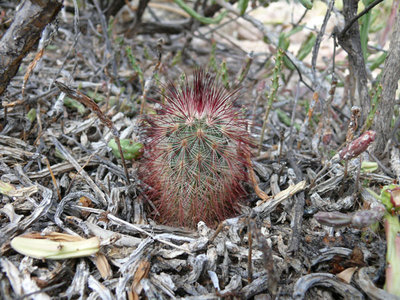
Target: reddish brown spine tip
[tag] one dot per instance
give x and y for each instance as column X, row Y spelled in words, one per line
column 195, row 161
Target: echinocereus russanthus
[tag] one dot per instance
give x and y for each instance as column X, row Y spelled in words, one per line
column 196, row 158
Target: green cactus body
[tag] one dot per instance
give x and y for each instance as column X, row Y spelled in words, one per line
column 195, row 162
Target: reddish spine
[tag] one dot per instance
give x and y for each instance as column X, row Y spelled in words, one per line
column 195, row 162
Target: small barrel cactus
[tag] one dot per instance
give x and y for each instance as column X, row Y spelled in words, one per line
column 196, row 157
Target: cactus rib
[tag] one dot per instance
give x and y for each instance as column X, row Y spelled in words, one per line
column 195, row 162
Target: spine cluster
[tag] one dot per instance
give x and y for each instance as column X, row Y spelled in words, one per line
column 196, row 158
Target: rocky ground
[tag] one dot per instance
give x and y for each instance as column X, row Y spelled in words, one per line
column 59, row 176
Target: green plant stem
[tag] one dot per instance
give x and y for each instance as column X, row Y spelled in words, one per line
column 374, row 105
column 378, row 61
column 392, row 229
column 364, row 30
column 197, row 16
column 272, row 97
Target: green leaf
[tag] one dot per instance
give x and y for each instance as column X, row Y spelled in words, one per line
column 378, row 61
column 307, row 46
column 243, row 6
column 369, row 166
column 97, row 97
column 390, row 196
column 130, row 149
column 285, row 119
column 31, row 115
column 306, row 3
column 364, row 29
column 199, row 17
column 71, row 103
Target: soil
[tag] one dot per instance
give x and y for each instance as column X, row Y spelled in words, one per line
column 58, row 174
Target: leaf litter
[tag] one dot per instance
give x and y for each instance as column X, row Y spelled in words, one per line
column 252, row 255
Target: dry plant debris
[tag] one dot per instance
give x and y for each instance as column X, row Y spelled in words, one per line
column 60, row 180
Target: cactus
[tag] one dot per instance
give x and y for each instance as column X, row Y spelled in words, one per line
column 195, row 159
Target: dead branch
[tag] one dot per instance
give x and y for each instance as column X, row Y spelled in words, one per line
column 390, row 78
column 351, row 42
column 23, row 34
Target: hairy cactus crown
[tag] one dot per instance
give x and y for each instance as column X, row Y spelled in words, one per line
column 195, row 161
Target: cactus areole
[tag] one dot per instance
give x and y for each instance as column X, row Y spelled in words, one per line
column 195, row 160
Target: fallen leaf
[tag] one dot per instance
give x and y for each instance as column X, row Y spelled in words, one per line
column 347, row 274
column 55, row 245
column 103, row 266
